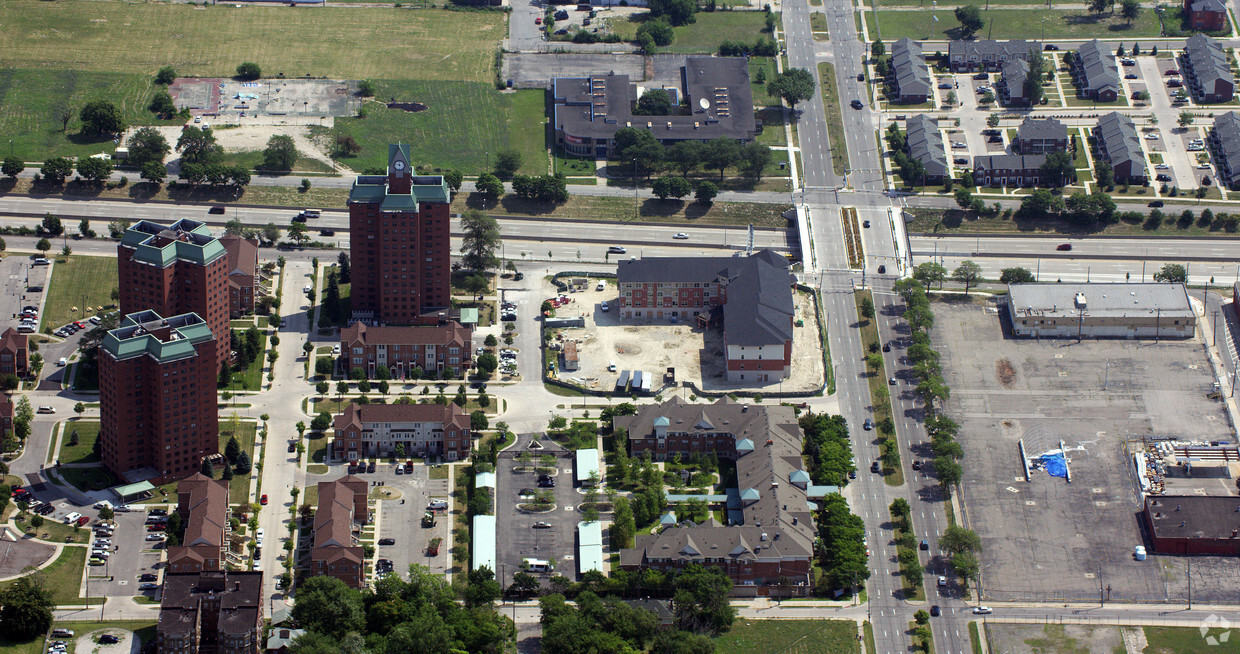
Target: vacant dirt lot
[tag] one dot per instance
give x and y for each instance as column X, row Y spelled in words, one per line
column 654, row 346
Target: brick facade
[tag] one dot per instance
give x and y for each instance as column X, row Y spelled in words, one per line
column 14, row 352
column 424, row 430
column 336, row 552
column 445, row 349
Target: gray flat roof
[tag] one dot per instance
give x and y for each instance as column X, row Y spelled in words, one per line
column 1118, row 300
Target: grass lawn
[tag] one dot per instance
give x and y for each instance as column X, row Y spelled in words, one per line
column 1182, row 640
column 918, row 645
column 63, row 576
column 835, row 118
column 239, row 487
column 705, row 35
column 83, row 452
column 143, row 629
column 573, row 166
column 31, row 99
column 880, row 396
column 78, row 281
column 438, row 138
column 87, row 479
column 620, row 209
column 818, row 24
column 789, row 637
column 55, row 531
column 252, row 159
column 213, row 40
column 773, row 134
column 252, row 377
column 440, row 472
column 913, row 589
column 316, row 447
column 1015, row 24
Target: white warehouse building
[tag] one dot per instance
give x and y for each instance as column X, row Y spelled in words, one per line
column 1154, row 310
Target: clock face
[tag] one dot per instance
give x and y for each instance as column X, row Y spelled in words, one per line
column 399, row 165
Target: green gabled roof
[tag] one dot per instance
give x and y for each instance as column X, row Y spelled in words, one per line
column 133, row 338
column 426, row 188
column 191, row 241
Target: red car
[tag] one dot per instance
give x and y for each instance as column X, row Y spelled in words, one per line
column 81, row 522
column 1065, row 246
column 154, row 527
column 1173, row 72
column 80, row 324
column 263, row 500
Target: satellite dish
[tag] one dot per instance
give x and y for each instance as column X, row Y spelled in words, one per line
column 703, row 103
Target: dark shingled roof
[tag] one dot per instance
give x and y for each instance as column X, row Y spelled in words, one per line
column 909, row 64
column 1119, row 143
column 240, row 597
column 1015, row 72
column 986, row 47
column 1042, row 129
column 1226, row 141
column 599, row 105
column 759, row 289
column 1009, row 161
column 1214, row 6
column 1208, row 61
column 1096, row 65
column 925, row 144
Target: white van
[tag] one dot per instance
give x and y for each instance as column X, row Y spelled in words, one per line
column 537, row 565
column 611, row 366
column 602, row 286
column 437, row 505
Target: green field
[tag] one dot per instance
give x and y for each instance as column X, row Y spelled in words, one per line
column 251, row 378
column 789, row 637
column 54, row 531
column 83, row 452
column 703, row 36
column 212, row 40
column 1014, row 24
column 63, row 576
column 239, row 486
column 1187, row 640
column 32, row 98
column 78, row 282
column 465, row 125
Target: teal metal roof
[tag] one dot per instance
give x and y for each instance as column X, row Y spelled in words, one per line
column 587, row 463
column 668, row 518
column 133, row 489
column 750, row 494
column 661, row 421
column 590, row 550
column 134, row 337
column 799, row 476
column 426, row 188
column 469, row 316
column 744, row 445
column 184, row 240
column 485, row 480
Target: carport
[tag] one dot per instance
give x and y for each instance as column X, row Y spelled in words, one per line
column 484, row 542
column 589, row 547
column 587, row 467
column 138, row 491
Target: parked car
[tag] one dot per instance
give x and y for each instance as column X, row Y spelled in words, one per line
column 263, row 500
column 542, row 525
column 148, row 586
column 982, row 76
column 46, row 409
column 1162, row 167
column 387, row 541
column 1175, row 83
column 945, row 85
column 109, row 639
column 1172, row 71
column 147, row 576
column 1130, row 76
column 71, row 517
column 1051, row 46
column 1162, row 177
column 155, row 536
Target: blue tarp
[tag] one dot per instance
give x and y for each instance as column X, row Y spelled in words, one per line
column 1055, row 465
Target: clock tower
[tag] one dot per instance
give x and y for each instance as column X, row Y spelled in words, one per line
column 400, row 173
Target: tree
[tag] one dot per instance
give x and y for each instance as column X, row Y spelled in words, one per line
column 1033, row 81
column 507, row 163
column 900, row 508
column 970, row 17
column 56, row 169
column 1104, row 173
column 793, row 85
column 27, row 608
column 1130, row 10
column 877, row 49
column 1173, row 273
column 1016, row 276
column 344, row 268
column 249, row 71
column 1058, row 168
column 654, row 102
column 964, row 198
column 454, row 178
column 1040, row 203
column 1099, row 6
column 754, row 159
column 685, row 156
column 679, row 12
column 327, row 606
column 244, row 464
column 347, row 146
column 197, row 145
column 12, row 166
column 956, row 539
column 94, row 170
column 930, row 273
column 162, row 105
column 298, row 232
column 489, row 186
column 721, row 153
column 480, row 241
column 486, row 364
column 146, row 144
column 101, row 118
column 207, row 469
column 867, row 309
column 706, row 192
column 992, row 120
column 482, row 589
column 948, row 471
column 232, row 450
column 280, row 153
column 671, row 186
column 656, row 31
column 700, row 602
column 967, row 273
column 166, row 75
column 622, row 527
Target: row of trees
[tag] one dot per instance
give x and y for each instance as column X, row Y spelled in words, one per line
column 840, row 551
column 648, row 156
column 827, row 448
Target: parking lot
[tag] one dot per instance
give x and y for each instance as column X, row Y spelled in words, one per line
column 132, row 556
column 1047, row 539
column 515, row 534
column 400, row 517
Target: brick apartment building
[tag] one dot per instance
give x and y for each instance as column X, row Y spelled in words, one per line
column 211, row 613
column 1009, row 169
column 173, row 270
column 424, row 430
column 444, row 349
column 1040, row 136
column 1206, row 15
column 751, row 295
column 6, row 414
column 157, row 397
column 1207, row 70
column 203, row 505
column 1095, row 72
column 400, row 225
column 988, row 55
column 14, row 352
column 336, row 552
column 243, row 277
column 769, row 539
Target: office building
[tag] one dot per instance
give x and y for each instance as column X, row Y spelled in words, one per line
column 400, row 225
column 1098, row 310
column 157, row 401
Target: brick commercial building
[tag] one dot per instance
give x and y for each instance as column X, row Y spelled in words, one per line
column 424, row 430
column 1207, row 71
column 769, row 539
column 203, row 505
column 588, row 111
column 984, row 54
column 174, row 270
column 399, row 230
column 1100, row 310
column 243, row 279
column 211, row 613
column 752, row 295
column 14, row 351
column 1119, row 146
column 1095, row 72
column 1039, row 136
column 342, row 510
column 157, row 397
column 1193, row 524
column 442, row 350
column 1206, row 15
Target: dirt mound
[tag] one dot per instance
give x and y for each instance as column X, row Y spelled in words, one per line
column 628, row 348
column 1004, row 371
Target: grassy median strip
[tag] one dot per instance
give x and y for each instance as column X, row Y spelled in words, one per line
column 975, row 638
column 835, row 118
column 923, row 639
column 880, row 396
column 906, row 553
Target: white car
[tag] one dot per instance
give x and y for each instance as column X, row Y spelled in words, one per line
column 604, row 307
column 1196, row 148
column 1162, row 167
column 336, row 350
column 62, row 362
column 258, row 537
column 681, row 236
column 942, row 581
column 1203, row 166
column 983, row 610
column 155, row 536
column 1151, row 137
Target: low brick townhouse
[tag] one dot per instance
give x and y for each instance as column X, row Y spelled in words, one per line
column 443, row 350
column 366, row 431
column 337, row 552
